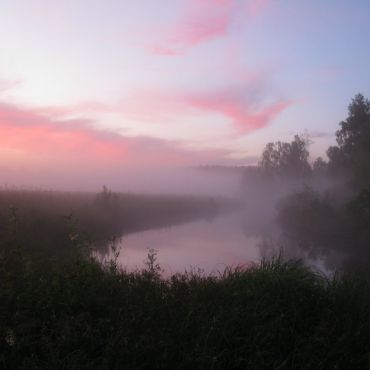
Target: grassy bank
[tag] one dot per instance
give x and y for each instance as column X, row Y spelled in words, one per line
column 82, row 315
column 45, row 221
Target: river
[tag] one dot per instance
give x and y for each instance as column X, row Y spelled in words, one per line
column 206, row 245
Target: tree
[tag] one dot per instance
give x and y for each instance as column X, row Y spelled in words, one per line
column 352, row 154
column 319, row 166
column 320, row 172
column 288, row 160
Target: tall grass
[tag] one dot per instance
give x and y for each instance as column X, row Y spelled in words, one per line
column 80, row 314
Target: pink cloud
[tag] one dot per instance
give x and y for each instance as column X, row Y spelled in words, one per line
column 203, row 20
column 63, row 145
column 239, row 107
column 243, row 107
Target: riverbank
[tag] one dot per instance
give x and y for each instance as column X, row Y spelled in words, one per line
column 47, row 223
column 84, row 315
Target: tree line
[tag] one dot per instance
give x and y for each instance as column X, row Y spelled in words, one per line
column 331, row 222
column 349, row 159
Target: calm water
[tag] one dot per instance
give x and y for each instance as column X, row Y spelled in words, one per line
column 207, row 245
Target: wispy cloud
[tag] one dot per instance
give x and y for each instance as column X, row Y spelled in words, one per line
column 244, row 108
column 202, row 21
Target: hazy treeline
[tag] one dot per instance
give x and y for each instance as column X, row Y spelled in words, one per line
column 323, row 208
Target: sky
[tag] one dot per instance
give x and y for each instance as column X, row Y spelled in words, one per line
column 92, row 88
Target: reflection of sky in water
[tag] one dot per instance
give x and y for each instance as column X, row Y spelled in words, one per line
column 208, row 245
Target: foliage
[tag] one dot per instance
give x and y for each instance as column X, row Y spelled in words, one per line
column 83, row 315
column 309, row 218
column 320, row 167
column 352, row 155
column 334, row 224
column 287, row 159
column 338, row 232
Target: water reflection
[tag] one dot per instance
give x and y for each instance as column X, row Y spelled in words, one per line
column 209, row 245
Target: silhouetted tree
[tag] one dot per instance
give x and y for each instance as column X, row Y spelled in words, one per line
column 352, row 155
column 320, row 167
column 288, row 160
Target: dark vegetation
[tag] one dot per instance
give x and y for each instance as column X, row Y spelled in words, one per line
column 62, row 309
column 47, row 221
column 323, row 209
column 84, row 315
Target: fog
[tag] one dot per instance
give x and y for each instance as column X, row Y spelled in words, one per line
column 288, row 204
column 266, row 214
column 158, row 180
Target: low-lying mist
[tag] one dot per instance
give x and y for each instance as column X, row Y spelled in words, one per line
column 158, row 180
column 317, row 211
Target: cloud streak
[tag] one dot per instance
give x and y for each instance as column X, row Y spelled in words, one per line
column 203, row 20
column 243, row 108
column 239, row 107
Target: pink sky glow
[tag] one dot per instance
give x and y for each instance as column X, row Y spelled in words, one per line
column 74, row 143
column 91, row 86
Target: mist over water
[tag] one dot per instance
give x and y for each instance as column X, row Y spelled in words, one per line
column 209, row 216
column 262, row 217
column 193, row 181
column 236, row 236
column 206, row 245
